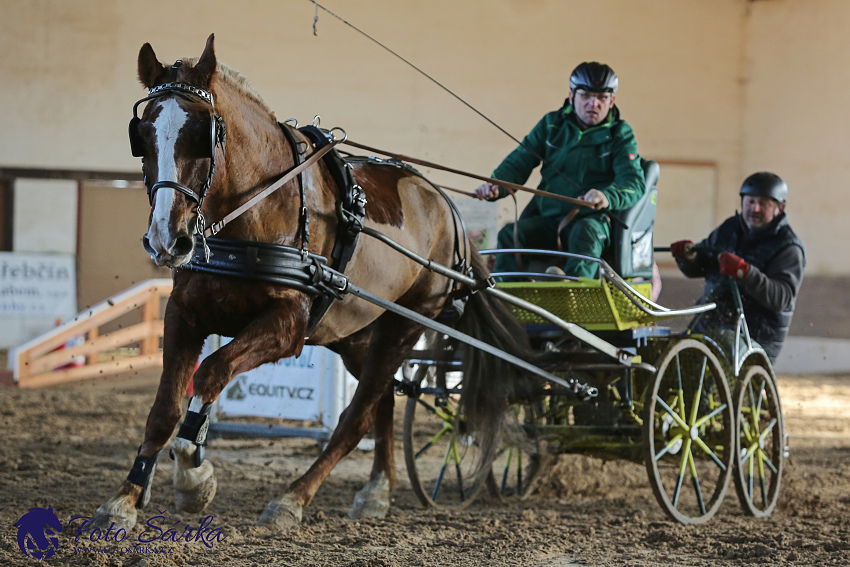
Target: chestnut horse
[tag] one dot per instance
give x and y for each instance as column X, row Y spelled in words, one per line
column 180, row 135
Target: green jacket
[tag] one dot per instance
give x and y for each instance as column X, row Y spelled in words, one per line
column 603, row 157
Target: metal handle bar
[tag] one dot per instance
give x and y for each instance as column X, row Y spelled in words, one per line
column 606, row 272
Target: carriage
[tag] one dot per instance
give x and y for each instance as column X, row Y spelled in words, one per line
column 698, row 410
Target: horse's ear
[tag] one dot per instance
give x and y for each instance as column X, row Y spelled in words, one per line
column 205, row 67
column 150, row 68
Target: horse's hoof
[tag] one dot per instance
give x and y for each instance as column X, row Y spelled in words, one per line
column 283, row 512
column 373, row 501
column 116, row 511
column 194, row 488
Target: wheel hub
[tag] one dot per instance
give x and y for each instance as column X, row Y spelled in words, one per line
column 694, row 433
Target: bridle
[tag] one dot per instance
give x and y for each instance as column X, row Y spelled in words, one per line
column 218, row 132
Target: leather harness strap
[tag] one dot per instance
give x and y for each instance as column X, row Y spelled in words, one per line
column 350, row 209
column 275, row 263
column 216, row 227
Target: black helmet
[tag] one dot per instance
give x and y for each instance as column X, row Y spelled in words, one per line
column 765, row 184
column 594, row 77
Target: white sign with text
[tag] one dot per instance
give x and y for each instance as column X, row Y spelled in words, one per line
column 314, row 386
column 37, row 284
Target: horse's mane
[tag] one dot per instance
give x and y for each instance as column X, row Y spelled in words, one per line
column 235, row 79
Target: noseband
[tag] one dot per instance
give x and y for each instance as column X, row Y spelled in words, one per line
column 217, row 137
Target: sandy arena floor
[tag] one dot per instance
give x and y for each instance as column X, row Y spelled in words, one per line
column 70, row 447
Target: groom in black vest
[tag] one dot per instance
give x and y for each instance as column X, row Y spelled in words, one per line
column 757, row 248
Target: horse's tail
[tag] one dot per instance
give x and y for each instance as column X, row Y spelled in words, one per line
column 490, row 384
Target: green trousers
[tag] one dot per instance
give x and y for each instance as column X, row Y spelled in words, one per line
column 587, row 236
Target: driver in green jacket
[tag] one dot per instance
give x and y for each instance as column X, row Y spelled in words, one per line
column 588, row 152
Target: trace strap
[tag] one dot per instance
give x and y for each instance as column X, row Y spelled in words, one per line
column 314, row 157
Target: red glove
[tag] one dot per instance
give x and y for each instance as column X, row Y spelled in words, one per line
column 731, row 265
column 681, row 248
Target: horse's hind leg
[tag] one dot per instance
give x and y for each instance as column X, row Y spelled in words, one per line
column 181, row 348
column 390, row 340
column 373, row 500
column 260, row 342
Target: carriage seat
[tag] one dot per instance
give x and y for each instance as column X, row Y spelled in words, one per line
column 630, row 251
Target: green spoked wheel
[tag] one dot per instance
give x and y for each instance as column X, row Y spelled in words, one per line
column 516, row 473
column 441, row 458
column 517, row 467
column 759, row 457
column 689, row 432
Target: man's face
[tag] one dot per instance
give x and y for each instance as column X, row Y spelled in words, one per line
column 760, row 211
column 591, row 108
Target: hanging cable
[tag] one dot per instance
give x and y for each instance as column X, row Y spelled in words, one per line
column 439, row 84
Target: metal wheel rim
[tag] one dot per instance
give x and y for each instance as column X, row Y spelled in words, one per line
column 434, row 487
column 707, row 433
column 516, row 471
column 759, row 453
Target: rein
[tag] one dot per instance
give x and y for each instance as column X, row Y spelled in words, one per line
column 216, row 227
column 511, row 187
column 506, row 184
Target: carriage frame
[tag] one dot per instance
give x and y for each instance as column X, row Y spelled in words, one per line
column 697, row 410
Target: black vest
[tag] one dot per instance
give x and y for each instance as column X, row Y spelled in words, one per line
column 767, row 327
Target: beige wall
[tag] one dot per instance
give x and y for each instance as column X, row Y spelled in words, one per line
column 798, row 120
column 701, row 80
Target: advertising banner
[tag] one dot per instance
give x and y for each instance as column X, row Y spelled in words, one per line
column 37, row 284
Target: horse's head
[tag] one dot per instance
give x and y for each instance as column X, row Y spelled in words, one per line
column 176, row 135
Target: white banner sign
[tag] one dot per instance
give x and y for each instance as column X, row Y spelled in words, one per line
column 37, row 284
column 312, row 387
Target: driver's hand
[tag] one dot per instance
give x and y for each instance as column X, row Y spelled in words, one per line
column 596, row 198
column 683, row 249
column 732, row 265
column 487, row 192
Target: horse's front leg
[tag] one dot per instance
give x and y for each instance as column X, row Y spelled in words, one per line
column 278, row 334
column 181, row 347
column 372, row 404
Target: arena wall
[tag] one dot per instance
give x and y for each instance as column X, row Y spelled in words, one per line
column 714, row 89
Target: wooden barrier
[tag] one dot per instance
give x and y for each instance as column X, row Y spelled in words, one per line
column 39, row 363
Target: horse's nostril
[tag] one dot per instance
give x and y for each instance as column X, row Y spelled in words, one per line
column 147, row 244
column 181, row 246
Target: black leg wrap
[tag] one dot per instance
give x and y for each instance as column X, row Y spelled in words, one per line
column 142, row 475
column 195, row 428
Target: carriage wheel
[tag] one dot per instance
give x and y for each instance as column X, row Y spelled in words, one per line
column 517, row 469
column 441, row 459
column 689, row 427
column 759, row 457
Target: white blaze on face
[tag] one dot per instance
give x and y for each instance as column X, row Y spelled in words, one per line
column 167, row 126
